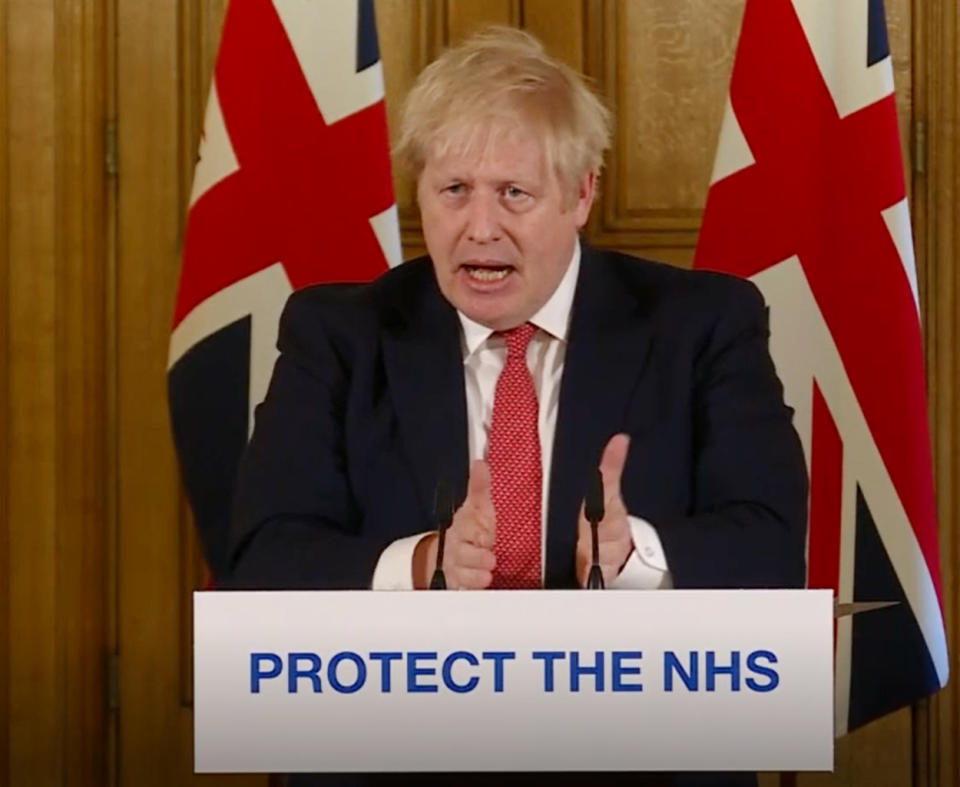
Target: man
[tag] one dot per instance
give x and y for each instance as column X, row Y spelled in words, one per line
column 509, row 365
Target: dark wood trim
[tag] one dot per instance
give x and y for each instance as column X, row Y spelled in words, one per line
column 936, row 194
column 110, row 408
column 4, row 411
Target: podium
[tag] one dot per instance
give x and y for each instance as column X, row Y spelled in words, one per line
column 361, row 681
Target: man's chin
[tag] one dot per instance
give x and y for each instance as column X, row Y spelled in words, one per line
column 497, row 309
column 497, row 319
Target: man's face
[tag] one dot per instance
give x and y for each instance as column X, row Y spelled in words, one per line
column 499, row 228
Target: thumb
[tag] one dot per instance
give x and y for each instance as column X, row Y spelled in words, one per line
column 611, row 464
column 478, row 484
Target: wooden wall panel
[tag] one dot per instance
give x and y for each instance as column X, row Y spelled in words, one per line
column 80, row 387
column 165, row 54
column 111, row 424
column 5, row 306
column 936, row 194
column 464, row 17
column 148, row 546
column 668, row 80
column 668, row 105
column 560, row 25
column 34, row 686
column 53, row 406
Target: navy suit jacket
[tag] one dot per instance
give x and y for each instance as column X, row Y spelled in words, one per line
column 366, row 412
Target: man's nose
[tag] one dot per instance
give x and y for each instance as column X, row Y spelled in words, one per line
column 483, row 222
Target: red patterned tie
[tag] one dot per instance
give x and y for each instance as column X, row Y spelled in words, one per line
column 513, row 453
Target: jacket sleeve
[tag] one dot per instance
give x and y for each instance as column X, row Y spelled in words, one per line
column 747, row 524
column 296, row 522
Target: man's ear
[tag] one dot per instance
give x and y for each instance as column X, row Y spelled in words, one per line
column 586, row 190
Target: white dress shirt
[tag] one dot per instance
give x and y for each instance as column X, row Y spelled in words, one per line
column 484, row 355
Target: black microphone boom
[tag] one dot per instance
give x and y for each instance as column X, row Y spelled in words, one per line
column 593, row 509
column 443, row 516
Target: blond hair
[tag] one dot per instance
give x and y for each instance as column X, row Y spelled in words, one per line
column 499, row 80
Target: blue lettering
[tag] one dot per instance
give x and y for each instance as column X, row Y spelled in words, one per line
column 414, row 671
column 449, row 682
column 773, row 679
column 385, row 658
column 257, row 673
column 713, row 669
column 620, row 669
column 672, row 664
column 576, row 670
column 498, row 657
column 548, row 657
column 295, row 672
column 334, row 681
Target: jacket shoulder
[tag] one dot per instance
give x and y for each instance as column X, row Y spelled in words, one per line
column 351, row 305
column 662, row 284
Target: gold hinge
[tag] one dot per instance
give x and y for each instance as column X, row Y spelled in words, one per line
column 110, row 147
column 113, row 682
column 919, row 147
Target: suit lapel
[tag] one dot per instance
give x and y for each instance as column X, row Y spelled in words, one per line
column 421, row 341
column 608, row 345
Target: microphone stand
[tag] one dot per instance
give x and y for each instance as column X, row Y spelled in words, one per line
column 443, row 515
column 593, row 509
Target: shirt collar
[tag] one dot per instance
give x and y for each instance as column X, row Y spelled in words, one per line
column 553, row 317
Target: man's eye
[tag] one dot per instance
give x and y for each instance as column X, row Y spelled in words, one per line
column 514, row 192
column 454, row 188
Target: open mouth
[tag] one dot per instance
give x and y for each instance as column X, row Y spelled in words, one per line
column 487, row 273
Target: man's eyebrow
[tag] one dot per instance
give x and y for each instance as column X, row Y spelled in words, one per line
column 525, row 184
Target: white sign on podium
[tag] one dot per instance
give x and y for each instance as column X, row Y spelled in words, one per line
column 361, row 681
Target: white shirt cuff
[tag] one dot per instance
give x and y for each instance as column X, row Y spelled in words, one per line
column 646, row 568
column 394, row 570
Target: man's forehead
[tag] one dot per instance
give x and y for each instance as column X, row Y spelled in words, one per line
column 491, row 149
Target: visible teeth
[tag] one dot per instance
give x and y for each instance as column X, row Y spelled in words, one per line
column 487, row 274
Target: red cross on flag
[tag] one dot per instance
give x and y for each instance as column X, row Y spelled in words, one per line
column 292, row 187
column 808, row 200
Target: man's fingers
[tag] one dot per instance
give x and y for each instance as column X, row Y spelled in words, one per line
column 481, row 536
column 470, row 556
column 471, row 578
column 609, row 549
column 470, row 527
column 469, row 559
column 613, row 459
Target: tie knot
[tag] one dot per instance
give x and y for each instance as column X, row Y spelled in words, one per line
column 518, row 338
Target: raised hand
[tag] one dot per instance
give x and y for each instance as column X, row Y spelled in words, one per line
column 468, row 559
column 613, row 532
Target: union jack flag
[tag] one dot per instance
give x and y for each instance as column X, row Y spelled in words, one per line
column 292, row 187
column 808, row 200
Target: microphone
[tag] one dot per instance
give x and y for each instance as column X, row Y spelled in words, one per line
column 593, row 509
column 443, row 515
